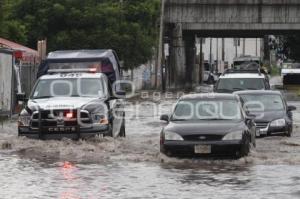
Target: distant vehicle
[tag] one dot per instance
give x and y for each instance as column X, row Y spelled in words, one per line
column 242, row 61
column 236, row 80
column 75, row 97
column 208, row 125
column 273, row 115
column 208, row 76
column 290, row 73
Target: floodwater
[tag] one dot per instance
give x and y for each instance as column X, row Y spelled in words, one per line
column 133, row 167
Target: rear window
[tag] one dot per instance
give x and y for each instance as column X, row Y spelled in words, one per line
column 236, row 84
column 267, row 102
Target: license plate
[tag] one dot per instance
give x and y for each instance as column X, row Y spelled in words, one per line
column 257, row 133
column 203, row 149
column 62, row 130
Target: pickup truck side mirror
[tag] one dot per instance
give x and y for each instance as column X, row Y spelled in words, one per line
column 21, row 97
column 291, row 108
column 164, row 118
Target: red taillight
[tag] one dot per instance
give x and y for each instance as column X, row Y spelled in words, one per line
column 69, row 115
column 93, row 70
column 67, row 165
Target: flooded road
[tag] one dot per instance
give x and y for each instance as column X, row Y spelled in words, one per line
column 134, row 168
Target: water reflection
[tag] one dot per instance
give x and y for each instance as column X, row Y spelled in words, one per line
column 217, row 173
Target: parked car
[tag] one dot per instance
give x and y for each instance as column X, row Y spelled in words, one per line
column 208, row 76
column 273, row 115
column 208, row 125
column 236, row 80
column 290, row 73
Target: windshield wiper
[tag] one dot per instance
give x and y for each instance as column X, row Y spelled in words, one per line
column 178, row 120
column 253, row 89
column 237, row 89
column 224, row 90
column 214, row 119
column 43, row 97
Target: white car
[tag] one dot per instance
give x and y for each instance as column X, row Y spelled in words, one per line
column 290, row 73
column 232, row 81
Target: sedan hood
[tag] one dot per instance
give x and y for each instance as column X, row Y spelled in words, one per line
column 268, row 116
column 209, row 127
column 57, row 103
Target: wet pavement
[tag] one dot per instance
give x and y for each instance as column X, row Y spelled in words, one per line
column 132, row 167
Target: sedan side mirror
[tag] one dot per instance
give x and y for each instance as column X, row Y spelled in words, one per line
column 21, row 97
column 164, row 118
column 292, row 108
column 118, row 95
column 250, row 117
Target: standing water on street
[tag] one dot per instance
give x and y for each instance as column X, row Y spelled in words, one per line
column 133, row 167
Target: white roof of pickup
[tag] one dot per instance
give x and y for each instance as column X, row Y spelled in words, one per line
column 242, row 75
column 73, row 76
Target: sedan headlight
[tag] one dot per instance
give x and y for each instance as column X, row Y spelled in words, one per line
column 171, row 136
column 236, row 135
column 24, row 120
column 278, row 123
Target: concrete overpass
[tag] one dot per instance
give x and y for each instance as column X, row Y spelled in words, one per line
column 184, row 19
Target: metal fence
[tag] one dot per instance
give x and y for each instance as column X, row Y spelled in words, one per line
column 28, row 74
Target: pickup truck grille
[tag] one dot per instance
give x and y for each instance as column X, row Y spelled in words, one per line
column 58, row 118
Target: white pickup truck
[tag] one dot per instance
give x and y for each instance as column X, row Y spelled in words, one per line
column 290, row 73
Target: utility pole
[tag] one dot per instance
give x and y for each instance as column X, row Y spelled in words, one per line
column 256, row 46
column 201, row 61
column 210, row 54
column 236, row 45
column 244, row 46
column 223, row 49
column 217, row 59
column 160, row 46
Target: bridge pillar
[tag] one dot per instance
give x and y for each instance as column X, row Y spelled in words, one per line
column 192, row 72
column 177, row 52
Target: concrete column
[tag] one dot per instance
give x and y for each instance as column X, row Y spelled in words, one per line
column 192, row 71
column 178, row 58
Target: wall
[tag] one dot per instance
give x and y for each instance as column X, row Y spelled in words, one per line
column 6, row 85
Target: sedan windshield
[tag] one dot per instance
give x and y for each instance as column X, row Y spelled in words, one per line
column 207, row 110
column 262, row 102
column 236, row 84
column 83, row 87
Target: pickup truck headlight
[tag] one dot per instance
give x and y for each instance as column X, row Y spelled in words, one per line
column 236, row 135
column 100, row 119
column 171, row 136
column 278, row 123
column 24, row 120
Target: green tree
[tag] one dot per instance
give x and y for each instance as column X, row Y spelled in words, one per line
column 11, row 28
column 292, row 47
column 127, row 26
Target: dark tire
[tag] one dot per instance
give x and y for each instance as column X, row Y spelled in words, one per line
column 289, row 133
column 210, row 80
column 245, row 149
column 123, row 130
column 254, row 142
column 263, row 136
column 110, row 132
